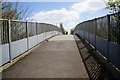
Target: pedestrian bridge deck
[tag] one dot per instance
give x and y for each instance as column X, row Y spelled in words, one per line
column 57, row 58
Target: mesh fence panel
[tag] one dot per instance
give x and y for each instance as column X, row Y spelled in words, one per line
column 102, row 30
column 105, row 28
column 31, row 29
column 4, row 31
column 18, row 30
column 115, row 28
column 92, row 26
column 39, row 28
column 87, row 26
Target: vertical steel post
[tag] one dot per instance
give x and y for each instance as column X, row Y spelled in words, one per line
column 37, row 32
column 27, row 35
column 119, row 40
column 95, row 30
column 9, row 38
column 119, row 28
column 108, row 28
column 83, row 30
column 36, row 29
column 1, row 32
column 89, row 32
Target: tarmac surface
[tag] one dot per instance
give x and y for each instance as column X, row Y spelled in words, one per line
column 57, row 58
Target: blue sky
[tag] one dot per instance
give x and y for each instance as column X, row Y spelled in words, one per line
column 40, row 6
column 46, row 6
column 68, row 13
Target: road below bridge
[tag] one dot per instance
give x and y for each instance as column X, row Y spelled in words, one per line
column 57, row 58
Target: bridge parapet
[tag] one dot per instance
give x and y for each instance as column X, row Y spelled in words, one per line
column 103, row 34
column 19, row 36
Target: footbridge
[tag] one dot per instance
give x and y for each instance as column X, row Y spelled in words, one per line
column 40, row 50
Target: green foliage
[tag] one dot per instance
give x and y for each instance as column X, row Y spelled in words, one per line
column 71, row 31
column 115, row 18
column 102, row 32
column 113, row 5
column 13, row 10
column 62, row 28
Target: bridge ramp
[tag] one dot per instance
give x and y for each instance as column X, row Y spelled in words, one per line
column 57, row 58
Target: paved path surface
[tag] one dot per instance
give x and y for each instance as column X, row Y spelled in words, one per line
column 57, row 58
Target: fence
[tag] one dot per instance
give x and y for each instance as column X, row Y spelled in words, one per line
column 104, row 34
column 19, row 36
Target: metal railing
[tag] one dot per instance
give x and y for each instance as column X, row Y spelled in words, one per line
column 104, row 34
column 19, row 36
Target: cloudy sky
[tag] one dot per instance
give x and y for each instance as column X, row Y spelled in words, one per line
column 68, row 12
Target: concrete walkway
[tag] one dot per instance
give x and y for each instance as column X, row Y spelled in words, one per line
column 57, row 58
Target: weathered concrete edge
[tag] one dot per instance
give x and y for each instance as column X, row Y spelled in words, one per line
column 12, row 62
column 82, row 57
column 113, row 70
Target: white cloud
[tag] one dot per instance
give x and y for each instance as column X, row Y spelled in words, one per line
column 70, row 25
column 56, row 16
column 68, row 17
column 88, row 5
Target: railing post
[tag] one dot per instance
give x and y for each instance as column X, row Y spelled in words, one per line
column 27, row 35
column 89, row 32
column 95, row 28
column 36, row 29
column 37, row 32
column 83, row 30
column 9, row 39
column 108, row 28
column 1, row 32
column 119, row 27
column 119, row 40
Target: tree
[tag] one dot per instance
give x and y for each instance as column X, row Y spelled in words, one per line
column 71, row 31
column 14, row 11
column 113, row 5
column 62, row 28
